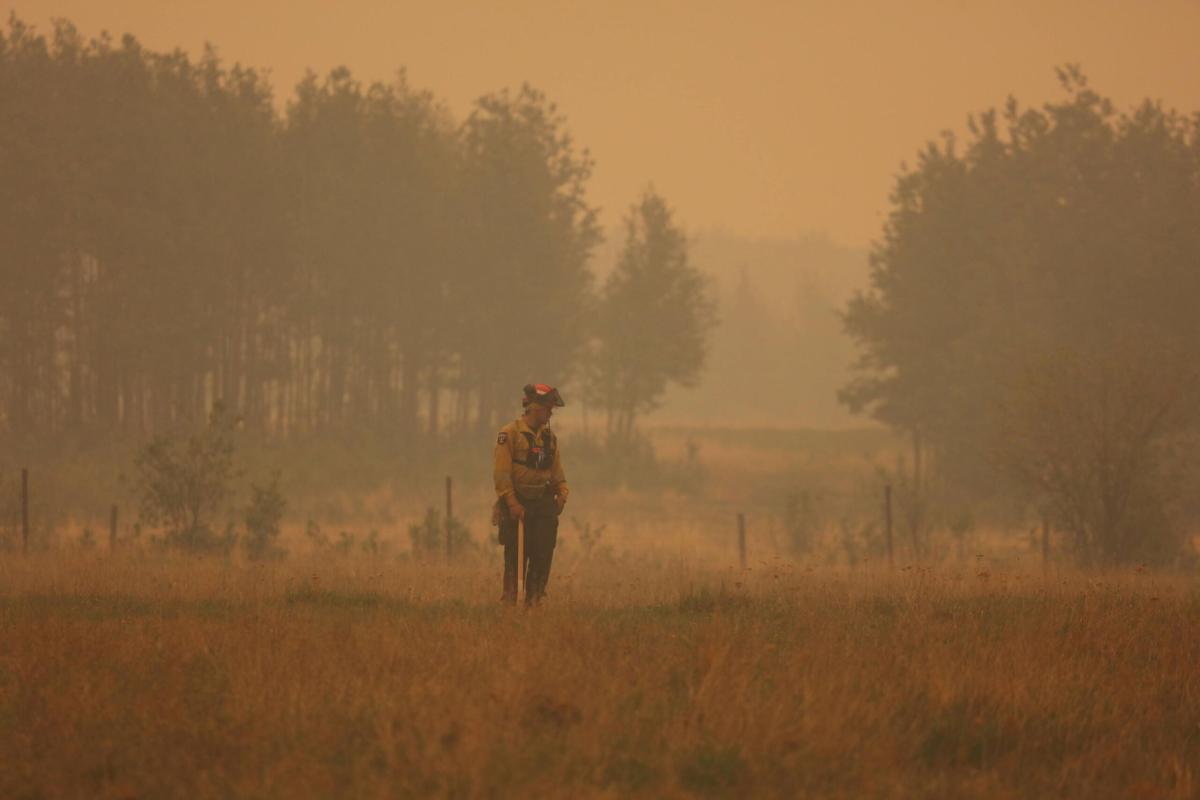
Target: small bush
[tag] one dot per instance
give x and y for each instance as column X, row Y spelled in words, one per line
column 263, row 517
column 313, row 532
column 712, row 771
column 428, row 536
column 184, row 483
column 589, row 538
column 629, row 774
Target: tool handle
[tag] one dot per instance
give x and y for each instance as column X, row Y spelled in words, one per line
column 521, row 559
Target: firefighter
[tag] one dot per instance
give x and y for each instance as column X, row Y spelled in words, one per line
column 531, row 487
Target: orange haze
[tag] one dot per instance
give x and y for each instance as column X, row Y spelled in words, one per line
column 761, row 118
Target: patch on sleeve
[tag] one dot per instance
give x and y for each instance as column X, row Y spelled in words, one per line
column 502, row 438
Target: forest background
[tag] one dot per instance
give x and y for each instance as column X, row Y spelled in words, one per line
column 365, row 282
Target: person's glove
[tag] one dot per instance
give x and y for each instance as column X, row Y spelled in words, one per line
column 515, row 509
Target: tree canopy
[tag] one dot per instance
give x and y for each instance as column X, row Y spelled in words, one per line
column 652, row 321
column 359, row 261
column 1070, row 229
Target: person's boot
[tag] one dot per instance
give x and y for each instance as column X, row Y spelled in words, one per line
column 534, row 591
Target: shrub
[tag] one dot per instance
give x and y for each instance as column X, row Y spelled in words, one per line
column 262, row 518
column 184, row 482
column 1101, row 439
column 713, row 771
column 428, row 536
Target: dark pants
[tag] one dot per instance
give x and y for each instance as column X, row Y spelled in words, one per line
column 541, row 534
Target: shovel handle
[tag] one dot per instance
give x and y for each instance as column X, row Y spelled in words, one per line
column 521, row 559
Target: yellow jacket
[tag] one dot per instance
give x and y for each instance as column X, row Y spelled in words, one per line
column 528, row 462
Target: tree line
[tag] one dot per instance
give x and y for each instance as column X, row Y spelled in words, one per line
column 1031, row 318
column 359, row 260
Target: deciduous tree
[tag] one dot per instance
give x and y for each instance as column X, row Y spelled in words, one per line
column 653, row 319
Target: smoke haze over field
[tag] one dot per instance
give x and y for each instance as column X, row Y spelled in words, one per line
column 765, row 118
column 779, row 353
column 663, row 210
column 876, row 327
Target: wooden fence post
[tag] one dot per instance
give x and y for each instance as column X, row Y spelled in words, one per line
column 741, row 519
column 1045, row 544
column 449, row 516
column 887, row 524
column 24, row 510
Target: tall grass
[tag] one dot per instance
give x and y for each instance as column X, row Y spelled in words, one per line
column 156, row 676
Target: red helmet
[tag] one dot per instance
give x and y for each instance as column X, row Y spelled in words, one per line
column 542, row 394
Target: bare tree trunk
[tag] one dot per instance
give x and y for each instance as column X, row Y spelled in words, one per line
column 410, row 370
column 484, row 405
column 435, row 391
column 75, row 381
column 916, row 512
column 463, row 404
column 917, row 461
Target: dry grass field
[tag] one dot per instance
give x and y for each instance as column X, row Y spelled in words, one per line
column 149, row 675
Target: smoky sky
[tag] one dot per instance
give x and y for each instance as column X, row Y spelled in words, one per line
column 765, row 119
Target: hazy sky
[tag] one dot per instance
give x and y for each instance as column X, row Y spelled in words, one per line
column 763, row 118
